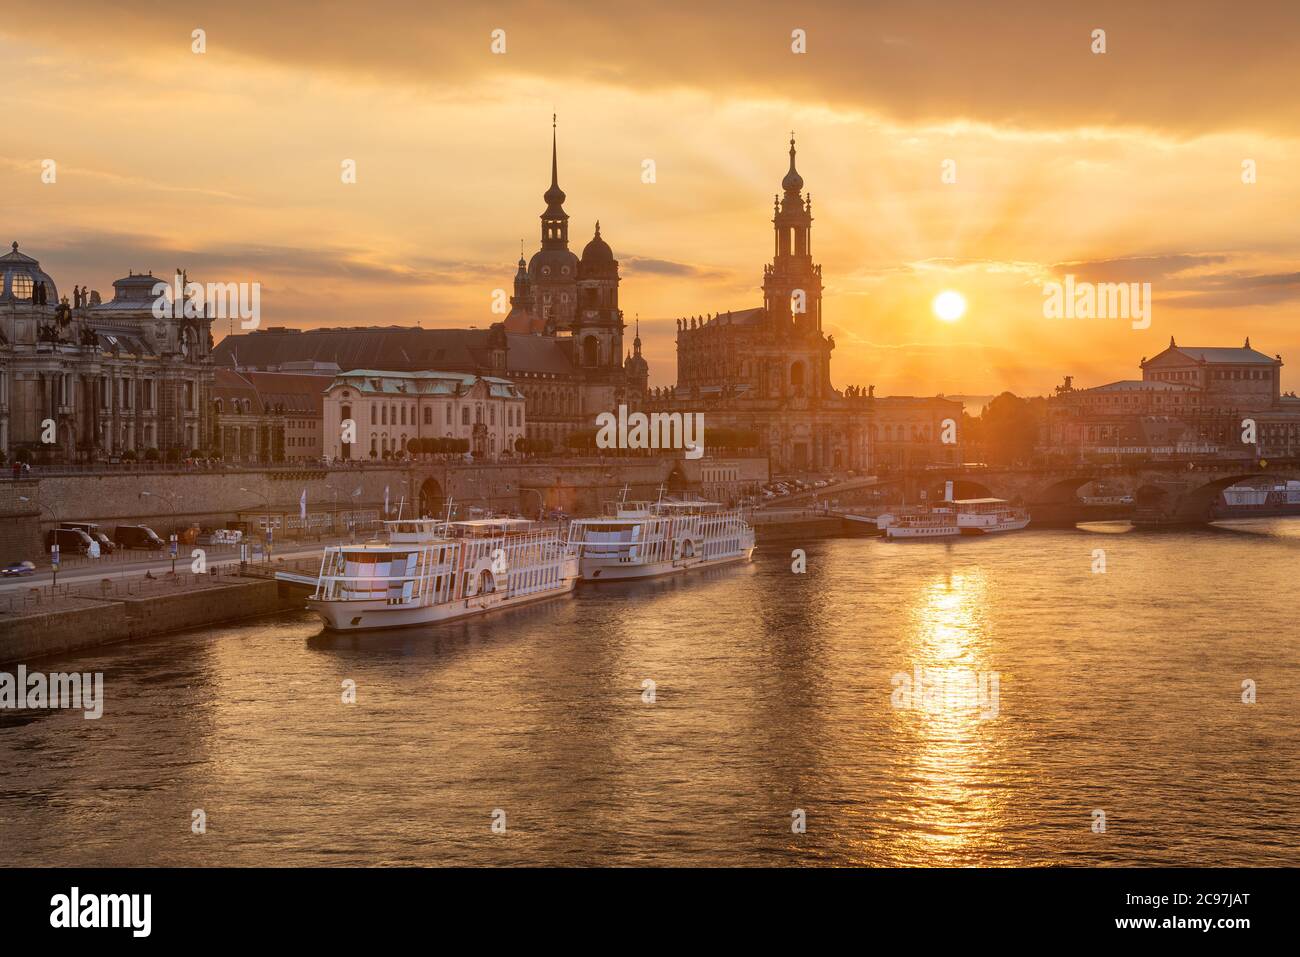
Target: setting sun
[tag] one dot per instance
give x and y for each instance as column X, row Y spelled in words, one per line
column 949, row 306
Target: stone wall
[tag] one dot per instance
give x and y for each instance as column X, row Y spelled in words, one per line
column 81, row 623
column 216, row 498
column 20, row 525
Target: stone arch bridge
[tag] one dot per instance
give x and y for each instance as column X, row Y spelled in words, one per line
column 1164, row 492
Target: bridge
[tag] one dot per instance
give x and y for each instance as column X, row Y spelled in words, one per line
column 1172, row 491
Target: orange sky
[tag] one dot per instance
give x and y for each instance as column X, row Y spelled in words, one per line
column 1124, row 166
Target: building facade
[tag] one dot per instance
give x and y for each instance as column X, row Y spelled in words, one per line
column 766, row 369
column 1190, row 400
column 389, row 409
column 561, row 343
column 92, row 380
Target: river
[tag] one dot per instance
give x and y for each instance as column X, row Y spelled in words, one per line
column 1091, row 718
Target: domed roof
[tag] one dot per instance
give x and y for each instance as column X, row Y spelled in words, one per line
column 19, row 277
column 793, row 182
column 553, row 264
column 597, row 252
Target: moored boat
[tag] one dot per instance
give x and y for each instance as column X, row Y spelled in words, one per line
column 429, row 571
column 985, row 516
column 646, row 539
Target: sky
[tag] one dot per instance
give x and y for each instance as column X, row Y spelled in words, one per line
column 983, row 148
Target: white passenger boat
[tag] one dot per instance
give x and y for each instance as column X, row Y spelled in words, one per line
column 949, row 518
column 984, row 516
column 646, row 539
column 922, row 522
column 429, row 571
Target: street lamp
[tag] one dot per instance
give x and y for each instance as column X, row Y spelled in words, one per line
column 171, row 504
column 54, row 549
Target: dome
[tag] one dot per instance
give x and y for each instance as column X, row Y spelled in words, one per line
column 597, row 252
column 553, row 265
column 21, row 275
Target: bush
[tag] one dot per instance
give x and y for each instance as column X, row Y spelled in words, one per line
column 151, row 455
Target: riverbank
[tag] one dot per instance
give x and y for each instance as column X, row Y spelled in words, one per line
column 46, row 622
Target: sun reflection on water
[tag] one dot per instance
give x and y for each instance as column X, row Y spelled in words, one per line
column 950, row 722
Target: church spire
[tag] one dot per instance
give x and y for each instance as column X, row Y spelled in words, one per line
column 555, row 221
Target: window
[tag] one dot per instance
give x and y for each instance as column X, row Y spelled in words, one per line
column 449, row 413
column 464, row 415
column 21, row 287
column 428, row 415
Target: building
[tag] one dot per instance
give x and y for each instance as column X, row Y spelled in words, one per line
column 1190, row 400
column 90, row 380
column 389, row 409
column 561, row 342
column 299, row 399
column 766, row 369
column 267, row 417
column 909, row 431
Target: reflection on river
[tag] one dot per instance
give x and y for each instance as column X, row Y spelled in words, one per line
column 1063, row 692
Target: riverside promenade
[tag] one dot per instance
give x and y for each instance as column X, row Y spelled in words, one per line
column 58, row 619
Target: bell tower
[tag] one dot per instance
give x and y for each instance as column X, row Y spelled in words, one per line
column 792, row 284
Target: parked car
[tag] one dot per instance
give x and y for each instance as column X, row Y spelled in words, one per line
column 71, row 541
column 90, row 528
column 138, row 536
column 15, row 569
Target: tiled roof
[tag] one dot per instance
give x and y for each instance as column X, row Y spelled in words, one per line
column 392, row 348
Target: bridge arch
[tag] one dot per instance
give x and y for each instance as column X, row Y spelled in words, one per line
column 431, row 497
column 1197, row 504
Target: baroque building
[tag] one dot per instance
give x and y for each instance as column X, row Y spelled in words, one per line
column 561, row 343
column 90, row 380
column 1190, row 400
column 389, row 409
column 766, row 369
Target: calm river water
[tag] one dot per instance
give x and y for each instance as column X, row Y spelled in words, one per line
column 1116, row 692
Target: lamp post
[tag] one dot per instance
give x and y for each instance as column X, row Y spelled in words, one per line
column 173, row 541
column 54, row 549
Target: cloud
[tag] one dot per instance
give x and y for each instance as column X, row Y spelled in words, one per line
column 1137, row 268
column 666, row 267
column 1014, row 63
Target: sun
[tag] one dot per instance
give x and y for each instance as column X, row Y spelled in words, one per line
column 949, row 306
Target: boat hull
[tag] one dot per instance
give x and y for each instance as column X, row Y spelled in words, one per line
column 594, row 570
column 377, row 614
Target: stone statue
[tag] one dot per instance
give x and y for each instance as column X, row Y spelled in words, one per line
column 63, row 314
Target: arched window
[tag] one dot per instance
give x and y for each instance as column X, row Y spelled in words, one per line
column 590, row 351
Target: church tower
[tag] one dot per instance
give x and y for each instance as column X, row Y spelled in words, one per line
column 792, row 285
column 553, row 270
column 598, row 325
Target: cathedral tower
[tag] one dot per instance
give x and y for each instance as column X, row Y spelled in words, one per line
column 792, row 285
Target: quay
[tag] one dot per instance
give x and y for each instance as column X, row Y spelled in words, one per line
column 51, row 621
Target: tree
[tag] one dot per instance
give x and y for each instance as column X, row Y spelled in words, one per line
column 581, row 441
column 1009, row 427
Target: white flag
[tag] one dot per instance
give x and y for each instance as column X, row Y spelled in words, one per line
column 302, row 506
